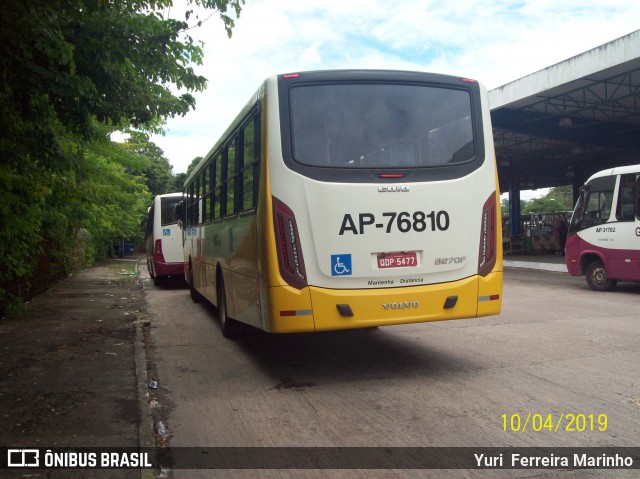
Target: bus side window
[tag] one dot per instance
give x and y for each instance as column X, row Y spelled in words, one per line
column 250, row 165
column 217, row 200
column 626, row 198
column 598, row 208
column 204, row 186
column 230, row 206
column 193, row 204
column 197, row 200
column 212, row 188
column 605, row 210
column 190, row 206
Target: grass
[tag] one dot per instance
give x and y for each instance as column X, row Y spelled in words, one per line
column 124, row 268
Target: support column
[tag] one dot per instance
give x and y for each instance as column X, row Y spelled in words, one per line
column 514, row 204
column 578, row 181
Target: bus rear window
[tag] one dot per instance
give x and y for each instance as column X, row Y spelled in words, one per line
column 359, row 125
column 168, row 215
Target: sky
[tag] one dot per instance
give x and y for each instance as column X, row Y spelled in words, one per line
column 494, row 41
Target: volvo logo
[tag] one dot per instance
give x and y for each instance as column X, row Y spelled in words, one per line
column 405, row 305
column 393, row 189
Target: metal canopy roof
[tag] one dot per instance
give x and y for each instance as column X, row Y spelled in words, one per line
column 561, row 124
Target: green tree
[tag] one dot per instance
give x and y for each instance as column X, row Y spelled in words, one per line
column 115, row 60
column 72, row 72
column 159, row 172
column 179, row 181
column 180, row 178
column 103, row 197
column 564, row 196
column 193, row 164
column 556, row 199
column 505, row 204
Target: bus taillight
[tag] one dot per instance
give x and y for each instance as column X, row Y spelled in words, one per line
column 487, row 256
column 157, row 251
column 290, row 259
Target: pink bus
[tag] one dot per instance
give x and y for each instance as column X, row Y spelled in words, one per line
column 604, row 235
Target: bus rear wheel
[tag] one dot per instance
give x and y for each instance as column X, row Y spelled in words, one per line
column 229, row 326
column 152, row 273
column 597, row 277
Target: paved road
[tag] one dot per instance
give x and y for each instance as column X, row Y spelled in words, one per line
column 69, row 370
column 556, row 349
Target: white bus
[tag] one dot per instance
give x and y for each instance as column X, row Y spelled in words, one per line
column 604, row 235
column 348, row 199
column 163, row 238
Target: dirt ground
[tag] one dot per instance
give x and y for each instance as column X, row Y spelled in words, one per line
column 70, row 368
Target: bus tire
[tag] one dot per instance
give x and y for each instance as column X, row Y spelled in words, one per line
column 597, row 277
column 229, row 326
column 195, row 296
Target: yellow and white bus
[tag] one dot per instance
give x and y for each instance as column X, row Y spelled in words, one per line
column 348, row 199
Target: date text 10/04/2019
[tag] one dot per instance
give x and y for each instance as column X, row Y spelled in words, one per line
column 569, row 422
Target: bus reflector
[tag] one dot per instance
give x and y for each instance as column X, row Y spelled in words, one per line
column 290, row 259
column 487, row 256
column 157, row 251
column 299, row 312
column 493, row 297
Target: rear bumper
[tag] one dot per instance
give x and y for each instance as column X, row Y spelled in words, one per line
column 169, row 269
column 316, row 309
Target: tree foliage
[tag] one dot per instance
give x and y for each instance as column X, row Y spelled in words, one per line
column 180, row 178
column 159, row 172
column 115, row 60
column 193, row 164
column 72, row 72
column 556, row 200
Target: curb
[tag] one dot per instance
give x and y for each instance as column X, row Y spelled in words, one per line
column 539, row 265
column 145, row 426
column 146, row 437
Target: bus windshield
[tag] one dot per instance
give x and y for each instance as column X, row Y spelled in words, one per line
column 594, row 205
column 360, row 125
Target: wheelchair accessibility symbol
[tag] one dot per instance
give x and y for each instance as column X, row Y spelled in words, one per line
column 340, row 265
